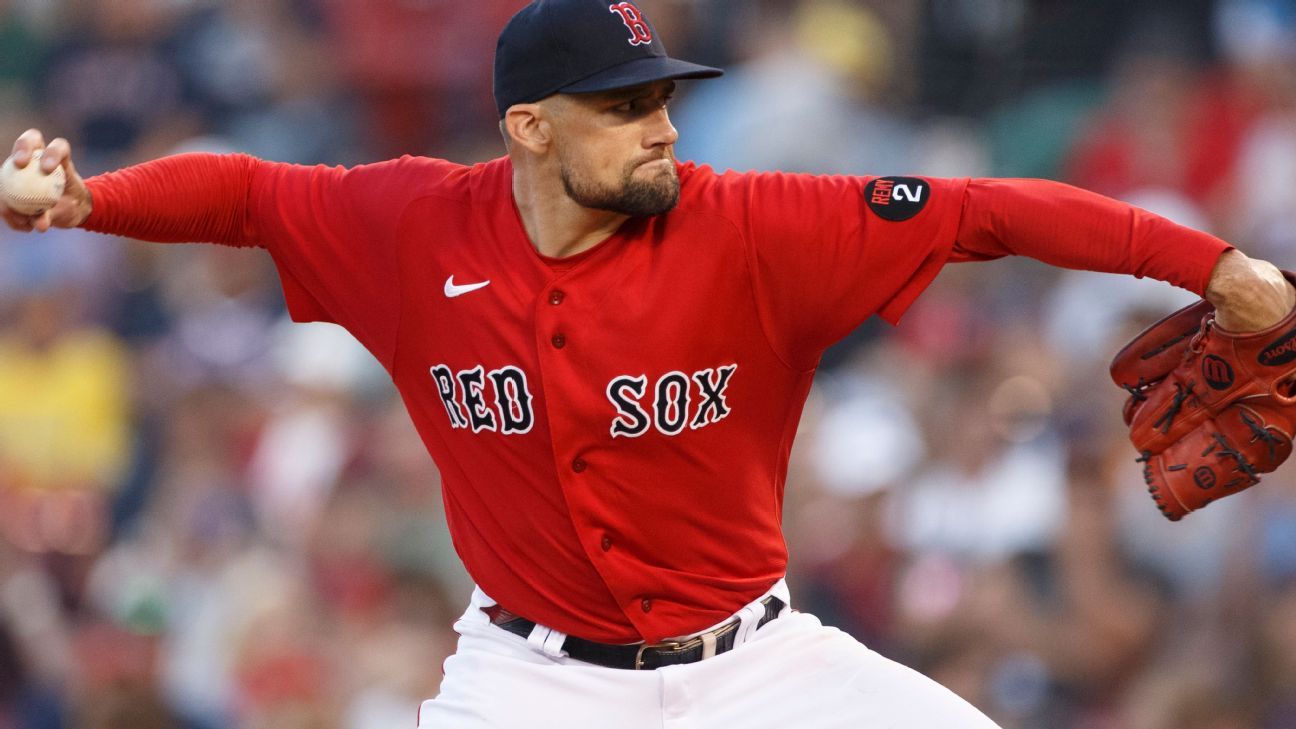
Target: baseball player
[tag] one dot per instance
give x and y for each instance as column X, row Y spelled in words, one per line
column 606, row 352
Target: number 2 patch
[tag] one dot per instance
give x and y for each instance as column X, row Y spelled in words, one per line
column 897, row 198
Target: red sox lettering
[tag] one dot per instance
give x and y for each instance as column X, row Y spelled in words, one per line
column 464, row 394
column 672, row 398
column 500, row 400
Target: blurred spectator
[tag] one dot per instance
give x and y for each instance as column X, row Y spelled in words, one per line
column 24, row 49
column 984, row 497
column 35, row 648
column 111, row 82
column 807, row 84
column 420, row 68
column 1170, row 125
column 63, row 427
column 61, row 390
column 1259, row 39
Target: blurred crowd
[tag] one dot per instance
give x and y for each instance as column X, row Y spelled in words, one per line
column 210, row 518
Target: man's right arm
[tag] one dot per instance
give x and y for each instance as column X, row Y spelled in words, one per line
column 332, row 232
column 203, row 198
column 185, row 198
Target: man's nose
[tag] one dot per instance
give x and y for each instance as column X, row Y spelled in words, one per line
column 663, row 132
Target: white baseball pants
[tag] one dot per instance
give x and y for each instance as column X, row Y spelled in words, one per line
column 793, row 672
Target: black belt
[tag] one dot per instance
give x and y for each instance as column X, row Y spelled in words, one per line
column 639, row 656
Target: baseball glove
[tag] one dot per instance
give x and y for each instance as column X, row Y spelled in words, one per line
column 1209, row 410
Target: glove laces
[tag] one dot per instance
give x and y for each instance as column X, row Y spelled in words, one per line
column 1261, row 433
column 1138, row 390
column 1182, row 393
column 1243, row 465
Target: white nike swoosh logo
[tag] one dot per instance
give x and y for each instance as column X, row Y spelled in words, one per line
column 451, row 290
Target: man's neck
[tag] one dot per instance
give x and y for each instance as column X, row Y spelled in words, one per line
column 556, row 225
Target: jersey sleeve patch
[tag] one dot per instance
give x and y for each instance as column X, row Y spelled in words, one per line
column 897, row 198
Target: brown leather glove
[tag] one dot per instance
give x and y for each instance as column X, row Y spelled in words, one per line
column 1209, row 410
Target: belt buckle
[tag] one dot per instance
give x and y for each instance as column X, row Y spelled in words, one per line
column 668, row 645
column 695, row 640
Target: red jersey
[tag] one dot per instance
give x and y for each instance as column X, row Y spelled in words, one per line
column 612, row 428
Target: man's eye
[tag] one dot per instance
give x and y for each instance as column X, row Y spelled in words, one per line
column 635, row 106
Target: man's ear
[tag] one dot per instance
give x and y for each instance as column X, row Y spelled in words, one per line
column 527, row 127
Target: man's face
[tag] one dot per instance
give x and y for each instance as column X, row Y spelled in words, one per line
column 616, row 149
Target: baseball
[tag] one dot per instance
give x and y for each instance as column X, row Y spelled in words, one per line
column 29, row 190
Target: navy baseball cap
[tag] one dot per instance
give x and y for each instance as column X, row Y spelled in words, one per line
column 579, row 46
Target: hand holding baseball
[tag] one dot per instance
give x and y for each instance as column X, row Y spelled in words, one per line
column 31, row 196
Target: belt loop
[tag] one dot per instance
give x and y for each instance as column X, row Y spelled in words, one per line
column 553, row 645
column 748, row 620
column 781, row 591
column 708, row 645
column 547, row 641
column 750, row 615
column 537, row 637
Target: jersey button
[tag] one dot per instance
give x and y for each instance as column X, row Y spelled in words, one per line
column 559, row 341
column 607, row 544
column 556, row 297
column 578, row 465
column 646, row 605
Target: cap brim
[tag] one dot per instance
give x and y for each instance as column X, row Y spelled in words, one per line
column 640, row 71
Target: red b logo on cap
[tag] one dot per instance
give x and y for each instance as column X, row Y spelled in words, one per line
column 640, row 33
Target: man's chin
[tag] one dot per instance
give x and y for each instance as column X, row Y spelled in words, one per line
column 665, row 207
column 647, row 200
column 644, row 193
column 641, row 208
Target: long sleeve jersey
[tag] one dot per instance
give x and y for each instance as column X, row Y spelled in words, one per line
column 613, row 428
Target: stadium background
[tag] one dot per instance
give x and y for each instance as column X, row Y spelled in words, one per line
column 213, row 519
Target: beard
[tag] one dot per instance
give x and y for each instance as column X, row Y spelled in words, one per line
column 634, row 197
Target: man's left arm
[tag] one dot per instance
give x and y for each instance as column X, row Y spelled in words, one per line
column 1073, row 228
column 1213, row 386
